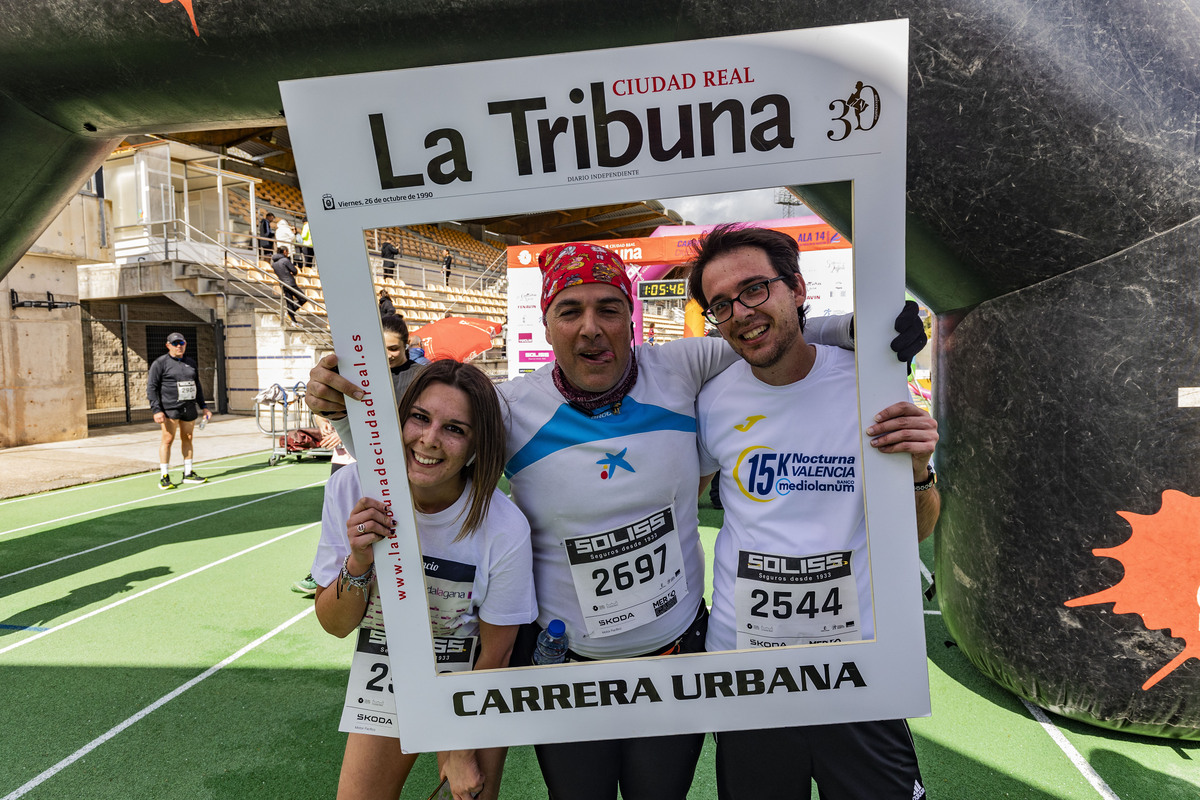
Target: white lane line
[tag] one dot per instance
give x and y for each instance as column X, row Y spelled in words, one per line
column 1074, row 755
column 154, row 588
column 1068, row 749
column 163, row 528
column 111, row 481
column 175, row 493
column 92, row 745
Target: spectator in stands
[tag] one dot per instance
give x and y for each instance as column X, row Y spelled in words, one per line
column 386, row 306
column 390, row 253
column 266, row 234
column 447, row 263
column 650, row 334
column 286, row 271
column 395, row 342
column 416, row 351
column 284, row 234
column 304, row 247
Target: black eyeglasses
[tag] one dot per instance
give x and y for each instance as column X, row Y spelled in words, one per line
column 178, row 342
column 752, row 296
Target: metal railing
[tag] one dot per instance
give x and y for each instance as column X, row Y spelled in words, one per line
column 233, row 270
column 234, row 265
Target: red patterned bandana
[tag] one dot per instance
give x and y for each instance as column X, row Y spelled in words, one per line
column 566, row 265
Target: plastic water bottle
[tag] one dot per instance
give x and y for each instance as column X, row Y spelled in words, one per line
column 551, row 644
column 203, row 422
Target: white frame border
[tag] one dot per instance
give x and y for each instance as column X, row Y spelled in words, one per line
column 325, row 116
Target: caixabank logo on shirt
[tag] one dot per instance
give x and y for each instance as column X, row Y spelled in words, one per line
column 764, row 474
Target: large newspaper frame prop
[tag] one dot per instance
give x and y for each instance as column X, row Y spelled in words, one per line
column 462, row 142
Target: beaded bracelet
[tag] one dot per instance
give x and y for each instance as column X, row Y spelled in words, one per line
column 929, row 482
column 360, row 582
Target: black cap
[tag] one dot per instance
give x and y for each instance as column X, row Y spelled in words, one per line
column 176, row 338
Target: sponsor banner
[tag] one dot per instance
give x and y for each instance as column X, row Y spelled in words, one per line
column 527, row 345
column 829, row 281
column 826, row 261
column 552, row 133
column 678, row 249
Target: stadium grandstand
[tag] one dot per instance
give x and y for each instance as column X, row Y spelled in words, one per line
column 173, row 243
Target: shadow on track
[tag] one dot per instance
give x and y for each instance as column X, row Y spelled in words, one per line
column 91, row 594
column 155, row 526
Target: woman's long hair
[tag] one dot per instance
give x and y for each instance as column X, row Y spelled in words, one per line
column 486, row 422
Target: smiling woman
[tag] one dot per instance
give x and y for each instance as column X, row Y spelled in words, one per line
column 438, row 443
column 477, row 563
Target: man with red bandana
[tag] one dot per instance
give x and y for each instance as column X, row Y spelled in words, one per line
column 602, row 440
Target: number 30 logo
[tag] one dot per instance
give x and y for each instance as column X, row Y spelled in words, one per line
column 859, row 111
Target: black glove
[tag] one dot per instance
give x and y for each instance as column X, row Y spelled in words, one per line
column 911, row 339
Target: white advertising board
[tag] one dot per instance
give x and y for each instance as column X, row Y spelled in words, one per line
column 829, row 279
column 527, row 347
column 575, row 130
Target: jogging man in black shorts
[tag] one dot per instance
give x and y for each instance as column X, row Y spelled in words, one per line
column 176, row 398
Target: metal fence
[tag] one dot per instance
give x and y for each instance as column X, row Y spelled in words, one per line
column 122, row 340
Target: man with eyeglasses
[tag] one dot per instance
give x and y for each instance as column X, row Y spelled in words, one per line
column 796, row 401
column 176, row 398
